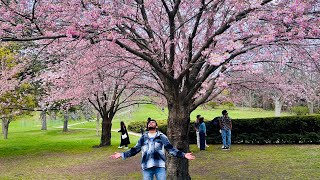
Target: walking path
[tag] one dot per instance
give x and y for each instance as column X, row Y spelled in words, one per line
column 114, row 130
column 129, row 132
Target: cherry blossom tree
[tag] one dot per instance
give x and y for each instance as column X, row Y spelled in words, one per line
column 15, row 93
column 310, row 83
column 93, row 76
column 282, row 73
column 308, row 73
column 281, row 88
column 188, row 44
column 10, row 67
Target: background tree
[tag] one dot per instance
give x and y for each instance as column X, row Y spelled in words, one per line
column 15, row 93
column 13, row 104
column 308, row 73
column 274, row 75
column 107, row 84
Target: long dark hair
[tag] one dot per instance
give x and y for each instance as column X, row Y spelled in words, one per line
column 123, row 126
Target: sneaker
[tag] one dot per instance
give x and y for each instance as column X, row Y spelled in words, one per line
column 225, row 148
column 120, row 147
column 222, row 146
column 207, row 146
column 126, row 147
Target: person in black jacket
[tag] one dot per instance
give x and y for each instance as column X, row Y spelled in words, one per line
column 124, row 136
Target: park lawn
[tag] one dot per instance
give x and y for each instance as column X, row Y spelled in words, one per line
column 235, row 113
column 140, row 113
column 32, row 122
column 30, row 153
column 53, row 154
column 29, row 139
column 257, row 162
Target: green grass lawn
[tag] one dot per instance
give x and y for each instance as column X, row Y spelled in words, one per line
column 30, row 153
column 52, row 154
column 236, row 113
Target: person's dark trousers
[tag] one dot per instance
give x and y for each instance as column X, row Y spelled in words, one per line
column 202, row 140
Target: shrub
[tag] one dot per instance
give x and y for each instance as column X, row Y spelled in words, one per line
column 274, row 130
column 137, row 126
column 229, row 105
column 142, row 125
column 311, row 137
column 317, row 110
column 300, row 110
column 212, row 104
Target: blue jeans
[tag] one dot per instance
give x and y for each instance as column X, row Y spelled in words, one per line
column 226, row 134
column 202, row 140
column 159, row 172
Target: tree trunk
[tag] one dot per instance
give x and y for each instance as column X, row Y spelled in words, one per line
column 311, row 107
column 2, row 127
column 98, row 124
column 53, row 115
column 250, row 99
column 106, row 131
column 277, row 107
column 65, row 122
column 43, row 118
column 178, row 134
column 5, row 127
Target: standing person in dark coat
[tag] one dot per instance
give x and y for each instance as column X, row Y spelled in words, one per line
column 196, row 128
column 124, row 136
column 202, row 133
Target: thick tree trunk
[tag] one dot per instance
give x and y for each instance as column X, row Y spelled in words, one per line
column 311, row 107
column 178, row 133
column 65, row 122
column 106, row 131
column 5, row 127
column 277, row 107
column 43, row 118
